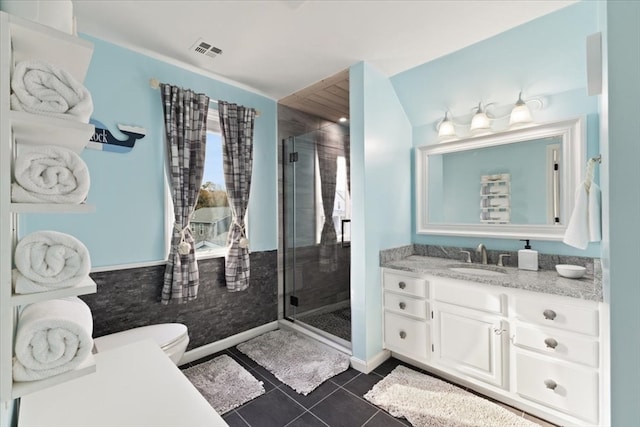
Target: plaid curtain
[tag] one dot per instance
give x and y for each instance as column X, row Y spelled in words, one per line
column 328, row 167
column 185, row 119
column 236, row 124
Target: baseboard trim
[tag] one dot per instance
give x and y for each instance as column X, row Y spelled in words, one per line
column 223, row 344
column 371, row 364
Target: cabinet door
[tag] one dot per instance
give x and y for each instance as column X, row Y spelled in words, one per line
column 406, row 336
column 565, row 386
column 470, row 342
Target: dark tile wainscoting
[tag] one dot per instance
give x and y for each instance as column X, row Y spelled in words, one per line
column 130, row 298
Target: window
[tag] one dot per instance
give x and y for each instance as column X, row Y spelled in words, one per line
column 212, row 217
column 341, row 205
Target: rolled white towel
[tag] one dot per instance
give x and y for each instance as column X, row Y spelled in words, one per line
column 52, row 337
column 48, row 260
column 42, row 88
column 50, row 174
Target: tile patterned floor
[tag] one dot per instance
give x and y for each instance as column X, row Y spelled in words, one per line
column 337, row 402
column 337, row 322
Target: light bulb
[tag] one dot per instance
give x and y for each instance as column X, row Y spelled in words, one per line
column 480, row 120
column 446, row 128
column 520, row 112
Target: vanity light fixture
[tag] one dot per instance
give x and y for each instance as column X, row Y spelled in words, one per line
column 480, row 120
column 446, row 128
column 520, row 113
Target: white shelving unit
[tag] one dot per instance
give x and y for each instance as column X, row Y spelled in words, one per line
column 495, row 198
column 25, row 40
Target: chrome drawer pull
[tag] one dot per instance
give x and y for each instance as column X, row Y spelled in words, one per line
column 403, row 334
column 550, row 384
column 551, row 343
column 549, row 314
column 402, row 285
column 402, row 306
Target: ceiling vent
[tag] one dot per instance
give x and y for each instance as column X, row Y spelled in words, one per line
column 205, row 48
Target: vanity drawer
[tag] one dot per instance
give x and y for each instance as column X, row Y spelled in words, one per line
column 406, row 336
column 406, row 284
column 575, row 348
column 550, row 312
column 404, row 304
column 469, row 295
column 568, row 388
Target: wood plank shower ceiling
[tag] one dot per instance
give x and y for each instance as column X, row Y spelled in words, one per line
column 328, row 99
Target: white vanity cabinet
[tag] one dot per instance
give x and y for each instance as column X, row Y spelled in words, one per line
column 469, row 329
column 406, row 325
column 539, row 352
column 556, row 354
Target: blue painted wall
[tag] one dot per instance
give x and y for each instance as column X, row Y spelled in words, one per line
column 128, row 189
column 623, row 252
column 381, row 183
column 545, row 58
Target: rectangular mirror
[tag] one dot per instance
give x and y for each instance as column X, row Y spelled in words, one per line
column 514, row 184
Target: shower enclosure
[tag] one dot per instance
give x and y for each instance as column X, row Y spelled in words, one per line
column 317, row 230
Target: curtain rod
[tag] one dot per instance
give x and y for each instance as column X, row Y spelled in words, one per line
column 155, row 84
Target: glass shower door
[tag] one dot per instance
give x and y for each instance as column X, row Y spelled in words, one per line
column 317, row 251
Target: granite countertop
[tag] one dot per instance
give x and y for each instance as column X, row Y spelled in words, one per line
column 589, row 287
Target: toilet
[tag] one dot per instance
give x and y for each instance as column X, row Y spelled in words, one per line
column 171, row 337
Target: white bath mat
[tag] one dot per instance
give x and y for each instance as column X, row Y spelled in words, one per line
column 224, row 383
column 427, row 401
column 299, row 362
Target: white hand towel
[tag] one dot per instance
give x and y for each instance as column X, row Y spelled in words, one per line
column 595, row 222
column 48, row 260
column 584, row 225
column 42, row 88
column 52, row 337
column 50, row 174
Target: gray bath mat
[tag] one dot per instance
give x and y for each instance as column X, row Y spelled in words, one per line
column 427, row 401
column 299, row 362
column 224, row 383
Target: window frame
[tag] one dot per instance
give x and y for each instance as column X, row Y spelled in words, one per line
column 213, row 126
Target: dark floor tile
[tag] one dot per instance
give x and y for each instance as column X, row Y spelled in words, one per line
column 273, row 409
column 389, row 365
column 361, row 384
column 234, row 420
column 325, row 389
column 343, row 409
column 307, row 420
column 202, row 360
column 345, row 376
column 267, row 384
column 382, row 419
column 268, row 376
column 240, row 356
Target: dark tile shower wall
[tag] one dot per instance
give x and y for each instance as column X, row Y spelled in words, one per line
column 130, row 298
column 316, row 289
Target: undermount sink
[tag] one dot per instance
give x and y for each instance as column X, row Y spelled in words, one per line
column 478, row 270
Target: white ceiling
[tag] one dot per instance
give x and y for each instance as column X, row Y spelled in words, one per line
column 278, row 47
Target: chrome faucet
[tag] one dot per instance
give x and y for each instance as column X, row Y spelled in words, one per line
column 483, row 251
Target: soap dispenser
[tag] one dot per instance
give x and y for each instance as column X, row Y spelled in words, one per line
column 527, row 257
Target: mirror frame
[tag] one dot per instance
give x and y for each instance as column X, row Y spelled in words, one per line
column 573, row 134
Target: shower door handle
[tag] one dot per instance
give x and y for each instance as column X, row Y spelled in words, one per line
column 344, row 244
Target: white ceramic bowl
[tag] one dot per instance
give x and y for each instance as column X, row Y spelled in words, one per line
column 570, row 271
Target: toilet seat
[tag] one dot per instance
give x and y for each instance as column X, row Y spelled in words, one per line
column 166, row 335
